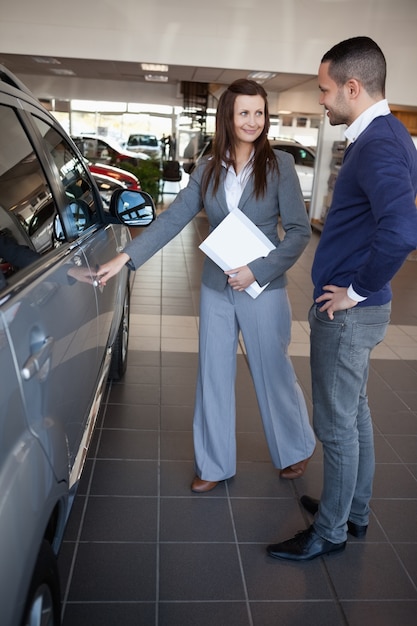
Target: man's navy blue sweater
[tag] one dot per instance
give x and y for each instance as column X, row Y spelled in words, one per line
column 371, row 225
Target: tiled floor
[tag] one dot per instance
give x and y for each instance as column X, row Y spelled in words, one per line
column 142, row 550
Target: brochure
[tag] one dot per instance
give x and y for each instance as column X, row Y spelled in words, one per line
column 235, row 242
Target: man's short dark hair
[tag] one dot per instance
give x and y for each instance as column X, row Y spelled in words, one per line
column 360, row 58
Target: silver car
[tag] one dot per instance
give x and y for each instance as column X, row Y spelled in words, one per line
column 62, row 334
column 142, row 142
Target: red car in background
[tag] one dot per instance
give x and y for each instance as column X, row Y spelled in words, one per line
column 122, row 176
column 100, row 149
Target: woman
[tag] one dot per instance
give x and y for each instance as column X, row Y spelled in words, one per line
column 242, row 172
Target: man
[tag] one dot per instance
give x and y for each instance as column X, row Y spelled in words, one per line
column 370, row 229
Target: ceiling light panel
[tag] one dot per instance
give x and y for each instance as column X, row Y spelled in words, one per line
column 156, row 78
column 261, row 77
column 46, row 60
column 154, row 67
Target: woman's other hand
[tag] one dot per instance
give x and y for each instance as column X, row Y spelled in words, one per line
column 240, row 278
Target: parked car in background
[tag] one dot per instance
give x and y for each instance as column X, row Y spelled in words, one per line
column 62, row 335
column 304, row 158
column 105, row 150
column 143, row 142
column 121, row 175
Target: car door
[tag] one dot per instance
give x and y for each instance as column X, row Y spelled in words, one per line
column 51, row 305
column 96, row 243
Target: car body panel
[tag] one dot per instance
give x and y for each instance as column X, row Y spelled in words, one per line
column 58, row 330
column 57, row 342
column 25, row 471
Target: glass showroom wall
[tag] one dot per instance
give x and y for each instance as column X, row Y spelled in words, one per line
column 118, row 120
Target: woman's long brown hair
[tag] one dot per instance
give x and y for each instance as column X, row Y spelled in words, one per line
column 223, row 150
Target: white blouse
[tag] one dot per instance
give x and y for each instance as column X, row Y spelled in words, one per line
column 234, row 184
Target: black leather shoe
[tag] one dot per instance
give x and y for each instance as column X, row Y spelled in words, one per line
column 306, row 545
column 357, row 530
column 312, row 506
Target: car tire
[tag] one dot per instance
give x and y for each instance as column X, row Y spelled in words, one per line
column 118, row 362
column 43, row 606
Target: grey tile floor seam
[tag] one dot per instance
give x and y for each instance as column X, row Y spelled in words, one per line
column 141, row 549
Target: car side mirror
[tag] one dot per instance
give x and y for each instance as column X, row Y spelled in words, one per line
column 132, row 208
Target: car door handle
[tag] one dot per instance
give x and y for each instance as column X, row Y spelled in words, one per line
column 38, row 360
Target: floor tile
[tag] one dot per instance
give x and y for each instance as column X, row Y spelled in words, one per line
column 369, row 559
column 195, row 520
column 397, row 517
column 382, row 613
column 203, row 572
column 128, row 444
column 203, row 614
column 107, row 572
column 132, row 417
column 124, row 478
column 109, row 614
column 120, row 518
column 299, row 612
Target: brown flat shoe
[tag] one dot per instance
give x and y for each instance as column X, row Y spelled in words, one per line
column 296, row 470
column 201, row 486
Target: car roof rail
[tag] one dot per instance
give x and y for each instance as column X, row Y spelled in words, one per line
column 10, row 79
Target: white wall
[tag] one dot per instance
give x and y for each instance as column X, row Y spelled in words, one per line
column 278, row 35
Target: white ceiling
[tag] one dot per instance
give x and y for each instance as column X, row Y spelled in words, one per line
column 197, row 39
column 129, row 72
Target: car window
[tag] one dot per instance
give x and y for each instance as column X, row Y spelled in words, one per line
column 24, row 194
column 148, row 140
column 80, row 205
column 104, row 150
column 143, row 140
column 87, row 147
column 304, row 157
column 300, row 154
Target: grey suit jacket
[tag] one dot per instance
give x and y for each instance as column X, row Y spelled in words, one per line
column 282, row 201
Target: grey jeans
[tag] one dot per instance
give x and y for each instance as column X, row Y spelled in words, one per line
column 340, row 355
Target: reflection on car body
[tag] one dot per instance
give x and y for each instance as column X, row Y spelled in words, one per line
column 106, row 150
column 106, row 186
column 121, row 175
column 41, row 227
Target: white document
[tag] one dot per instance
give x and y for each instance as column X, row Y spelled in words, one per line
column 235, row 242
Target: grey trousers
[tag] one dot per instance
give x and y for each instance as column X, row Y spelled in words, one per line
column 265, row 324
